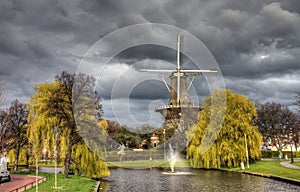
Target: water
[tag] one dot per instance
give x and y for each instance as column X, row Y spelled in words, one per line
column 201, row 180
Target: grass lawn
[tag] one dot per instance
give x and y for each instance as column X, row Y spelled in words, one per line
column 297, row 163
column 271, row 167
column 72, row 183
column 148, row 163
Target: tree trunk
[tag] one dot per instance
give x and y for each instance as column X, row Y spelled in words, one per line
column 68, row 158
column 17, row 157
column 280, row 154
column 27, row 160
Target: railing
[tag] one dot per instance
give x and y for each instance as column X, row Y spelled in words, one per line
column 178, row 106
column 28, row 185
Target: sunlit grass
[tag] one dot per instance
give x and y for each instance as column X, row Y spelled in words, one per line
column 272, row 167
column 149, row 163
column 297, row 164
column 72, row 183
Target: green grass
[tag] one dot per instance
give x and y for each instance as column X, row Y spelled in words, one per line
column 72, row 183
column 271, row 167
column 296, row 163
column 148, row 163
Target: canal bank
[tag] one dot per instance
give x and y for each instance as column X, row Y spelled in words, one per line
column 273, row 169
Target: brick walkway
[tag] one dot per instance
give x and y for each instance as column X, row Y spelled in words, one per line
column 18, row 181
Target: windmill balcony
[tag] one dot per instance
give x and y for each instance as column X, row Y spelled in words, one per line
column 162, row 107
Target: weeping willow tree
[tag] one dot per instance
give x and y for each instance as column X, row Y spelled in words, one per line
column 53, row 124
column 88, row 163
column 229, row 148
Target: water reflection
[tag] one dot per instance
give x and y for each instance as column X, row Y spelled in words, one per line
column 154, row 180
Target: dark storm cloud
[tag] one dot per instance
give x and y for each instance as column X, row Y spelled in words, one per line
column 256, row 44
column 142, row 52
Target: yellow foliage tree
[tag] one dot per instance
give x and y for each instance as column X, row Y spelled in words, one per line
column 52, row 123
column 229, row 148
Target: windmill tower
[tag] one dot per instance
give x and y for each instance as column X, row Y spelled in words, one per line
column 179, row 102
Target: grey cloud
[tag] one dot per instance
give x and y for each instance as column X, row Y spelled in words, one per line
column 254, row 42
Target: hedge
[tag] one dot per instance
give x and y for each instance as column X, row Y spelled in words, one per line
column 272, row 154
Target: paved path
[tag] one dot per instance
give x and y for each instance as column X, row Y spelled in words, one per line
column 18, row 181
column 289, row 165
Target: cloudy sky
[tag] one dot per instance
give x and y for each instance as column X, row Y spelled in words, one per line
column 256, row 44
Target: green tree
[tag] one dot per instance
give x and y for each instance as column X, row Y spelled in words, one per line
column 123, row 136
column 229, row 148
column 56, row 106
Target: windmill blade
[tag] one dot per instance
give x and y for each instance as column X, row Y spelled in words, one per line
column 198, row 71
column 178, row 69
column 165, row 82
column 159, row 70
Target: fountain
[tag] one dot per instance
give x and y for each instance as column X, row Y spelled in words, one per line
column 172, row 158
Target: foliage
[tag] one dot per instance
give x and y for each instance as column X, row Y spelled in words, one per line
column 145, row 132
column 53, row 109
column 132, row 138
column 123, row 135
column 87, row 163
column 23, row 156
column 277, row 123
column 41, row 122
column 275, row 154
column 269, row 154
column 229, row 148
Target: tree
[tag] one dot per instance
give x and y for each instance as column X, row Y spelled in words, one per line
column 276, row 122
column 123, row 136
column 297, row 127
column 5, row 136
column 229, row 148
column 297, row 100
column 145, row 132
column 17, row 121
column 2, row 94
column 57, row 106
column 87, row 162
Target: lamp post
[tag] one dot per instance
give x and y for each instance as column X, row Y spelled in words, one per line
column 291, row 144
column 247, row 154
column 164, row 143
column 292, row 158
column 55, row 158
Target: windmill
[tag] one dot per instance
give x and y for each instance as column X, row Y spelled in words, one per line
column 179, row 96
